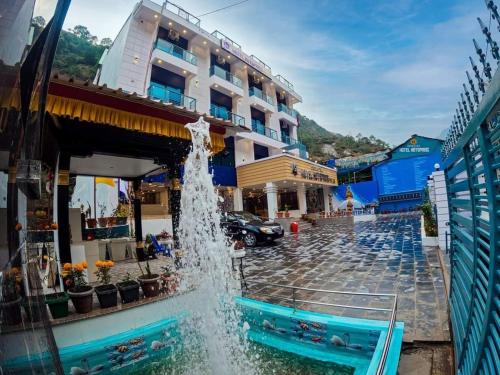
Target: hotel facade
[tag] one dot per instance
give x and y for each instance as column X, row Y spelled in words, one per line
column 163, row 53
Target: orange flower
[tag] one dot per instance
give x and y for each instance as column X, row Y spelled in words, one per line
column 84, row 264
column 110, row 263
column 78, row 267
column 14, row 271
column 98, row 263
column 67, row 266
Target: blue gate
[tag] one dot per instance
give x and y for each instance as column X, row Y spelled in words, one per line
column 471, row 157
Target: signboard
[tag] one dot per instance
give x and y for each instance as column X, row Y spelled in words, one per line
column 312, row 173
column 254, row 63
column 416, row 146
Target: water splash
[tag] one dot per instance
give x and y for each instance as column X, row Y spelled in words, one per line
column 208, row 266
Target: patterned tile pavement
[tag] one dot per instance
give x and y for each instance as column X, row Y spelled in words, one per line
column 384, row 256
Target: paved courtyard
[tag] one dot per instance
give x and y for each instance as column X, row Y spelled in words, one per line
column 380, row 256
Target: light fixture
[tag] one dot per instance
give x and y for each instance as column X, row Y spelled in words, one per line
column 170, row 24
column 184, row 31
column 184, row 72
column 160, row 61
column 232, row 93
column 204, row 42
column 216, row 50
column 216, row 85
column 156, row 16
column 228, row 56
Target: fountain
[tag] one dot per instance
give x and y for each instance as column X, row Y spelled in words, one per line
column 207, row 266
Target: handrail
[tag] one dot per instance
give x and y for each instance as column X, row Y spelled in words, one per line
column 174, row 50
column 225, row 75
column 393, row 309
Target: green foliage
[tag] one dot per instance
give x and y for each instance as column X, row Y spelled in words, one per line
column 314, row 137
column 430, row 225
column 78, row 54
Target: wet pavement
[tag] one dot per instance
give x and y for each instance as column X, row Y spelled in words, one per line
column 379, row 256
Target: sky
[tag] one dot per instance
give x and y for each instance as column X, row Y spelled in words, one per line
column 391, row 68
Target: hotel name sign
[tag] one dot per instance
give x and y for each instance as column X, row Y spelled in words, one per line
column 254, row 63
column 312, row 173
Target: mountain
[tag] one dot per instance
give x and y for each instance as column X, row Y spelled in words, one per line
column 323, row 144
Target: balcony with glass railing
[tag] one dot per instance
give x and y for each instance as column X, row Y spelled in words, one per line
column 224, row 113
column 165, row 94
column 225, row 75
column 289, row 111
column 254, row 91
column 172, row 49
column 260, row 128
column 174, row 8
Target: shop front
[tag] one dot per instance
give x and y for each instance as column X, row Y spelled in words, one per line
column 284, row 186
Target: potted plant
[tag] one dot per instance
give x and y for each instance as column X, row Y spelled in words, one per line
column 287, row 214
column 169, row 281
column 91, row 223
column 58, row 304
column 280, row 214
column 80, row 292
column 129, row 289
column 149, row 281
column 10, row 304
column 103, row 221
column 120, row 213
column 106, row 292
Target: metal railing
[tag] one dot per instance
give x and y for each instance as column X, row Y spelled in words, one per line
column 260, row 128
column 176, row 9
column 288, row 140
column 255, row 91
column 220, row 35
column 283, row 108
column 293, row 299
column 163, row 93
column 172, row 49
column 284, row 81
column 224, row 113
column 225, row 75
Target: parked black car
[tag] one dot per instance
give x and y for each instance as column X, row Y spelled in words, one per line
column 251, row 229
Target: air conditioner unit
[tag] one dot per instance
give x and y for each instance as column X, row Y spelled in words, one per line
column 173, row 35
column 221, row 60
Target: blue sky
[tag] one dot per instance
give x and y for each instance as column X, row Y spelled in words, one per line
column 383, row 67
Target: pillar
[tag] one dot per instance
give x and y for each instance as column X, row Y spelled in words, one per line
column 12, row 195
column 326, row 198
column 139, row 243
column 175, row 201
column 440, row 196
column 301, row 198
column 238, row 199
column 61, row 207
column 272, row 200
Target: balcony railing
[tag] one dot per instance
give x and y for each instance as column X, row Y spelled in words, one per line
column 174, row 8
column 225, row 75
column 289, row 111
column 222, row 112
column 254, row 91
column 260, row 128
column 172, row 49
column 163, row 93
column 288, row 140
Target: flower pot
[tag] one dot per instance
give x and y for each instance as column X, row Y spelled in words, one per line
column 91, row 223
column 58, row 304
column 287, row 214
column 107, row 295
column 11, row 312
column 280, row 214
column 103, row 222
column 82, row 298
column 33, row 306
column 149, row 285
column 111, row 221
column 129, row 290
column 121, row 220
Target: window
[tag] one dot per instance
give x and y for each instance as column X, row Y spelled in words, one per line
column 288, row 199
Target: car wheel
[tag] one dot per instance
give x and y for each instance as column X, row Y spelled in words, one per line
column 250, row 239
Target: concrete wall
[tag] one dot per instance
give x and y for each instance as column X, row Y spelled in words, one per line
column 439, row 198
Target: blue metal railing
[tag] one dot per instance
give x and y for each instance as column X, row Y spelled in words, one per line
column 162, row 92
column 260, row 128
column 254, row 91
column 289, row 111
column 172, row 49
column 224, row 74
column 224, row 113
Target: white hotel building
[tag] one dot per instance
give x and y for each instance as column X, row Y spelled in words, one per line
column 162, row 52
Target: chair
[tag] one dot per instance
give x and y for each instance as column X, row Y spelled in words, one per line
column 160, row 248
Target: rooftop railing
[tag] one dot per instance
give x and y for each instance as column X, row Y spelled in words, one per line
column 284, row 81
column 172, row 49
column 163, row 93
column 224, row 74
column 260, row 128
column 294, row 300
column 283, row 108
column 220, row 35
column 224, row 113
column 254, row 91
column 176, row 9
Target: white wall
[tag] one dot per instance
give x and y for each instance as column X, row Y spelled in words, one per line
column 439, row 198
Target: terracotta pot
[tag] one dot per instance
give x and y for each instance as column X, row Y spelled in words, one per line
column 280, row 214
column 107, row 295
column 129, row 291
column 11, row 312
column 91, row 223
column 149, row 285
column 82, row 298
column 111, row 221
column 287, row 214
column 103, row 222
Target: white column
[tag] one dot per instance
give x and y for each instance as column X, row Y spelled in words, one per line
column 441, row 202
column 326, row 198
column 301, row 197
column 272, row 199
column 238, row 199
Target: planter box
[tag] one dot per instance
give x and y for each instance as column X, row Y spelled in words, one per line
column 58, row 304
column 107, row 295
column 129, row 291
column 427, row 241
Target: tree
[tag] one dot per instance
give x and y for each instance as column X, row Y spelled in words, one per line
column 82, row 32
column 106, row 42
